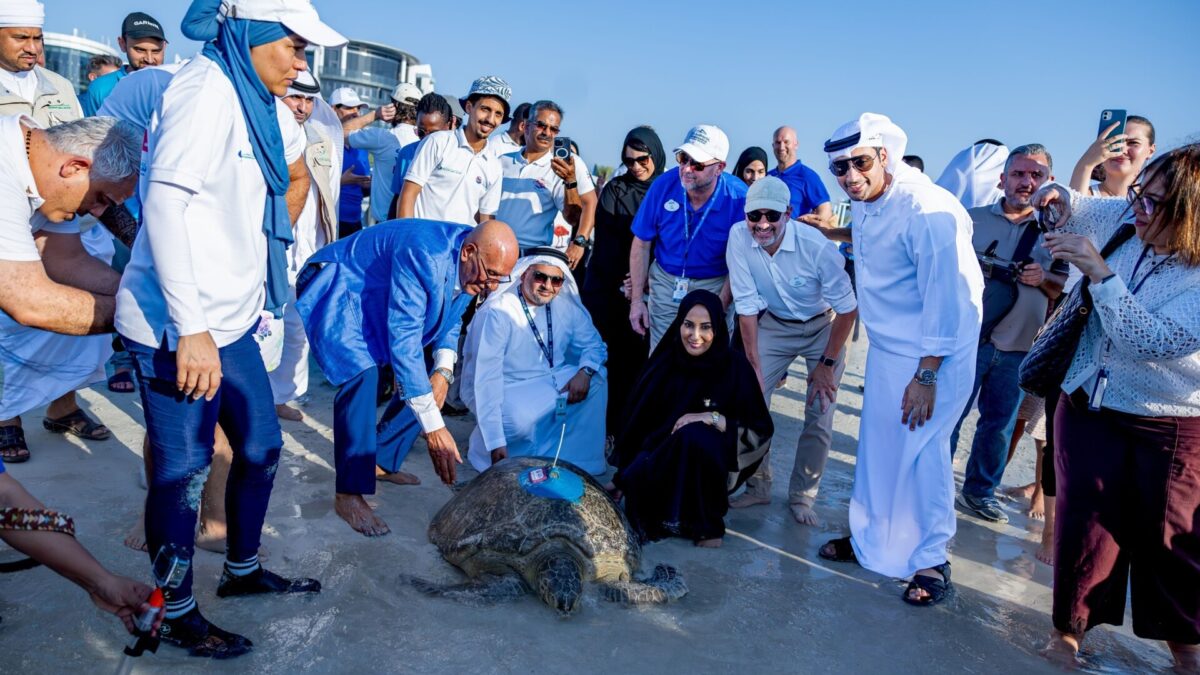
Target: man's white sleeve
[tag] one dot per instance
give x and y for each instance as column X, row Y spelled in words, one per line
column 746, row 299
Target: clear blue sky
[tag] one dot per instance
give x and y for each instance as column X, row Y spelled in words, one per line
column 949, row 73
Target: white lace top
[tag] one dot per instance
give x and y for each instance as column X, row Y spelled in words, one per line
column 1148, row 342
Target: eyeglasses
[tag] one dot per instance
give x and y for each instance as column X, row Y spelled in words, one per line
column 771, row 216
column 1136, row 198
column 490, row 278
column 862, row 164
column 543, row 278
column 546, row 127
column 686, row 161
column 628, row 161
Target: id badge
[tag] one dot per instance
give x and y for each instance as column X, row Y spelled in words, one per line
column 1096, row 399
column 560, row 408
column 681, row 289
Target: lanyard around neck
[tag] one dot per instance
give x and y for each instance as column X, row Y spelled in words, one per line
column 548, row 352
column 688, row 235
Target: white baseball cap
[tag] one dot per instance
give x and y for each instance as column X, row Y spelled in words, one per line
column 346, row 97
column 705, row 143
column 768, row 193
column 406, row 93
column 298, row 15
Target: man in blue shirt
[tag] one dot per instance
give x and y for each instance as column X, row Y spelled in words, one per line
column 144, row 45
column 380, row 298
column 685, row 219
column 433, row 114
column 356, row 166
column 810, row 199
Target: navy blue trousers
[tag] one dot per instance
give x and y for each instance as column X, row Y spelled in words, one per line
column 181, row 434
column 359, row 443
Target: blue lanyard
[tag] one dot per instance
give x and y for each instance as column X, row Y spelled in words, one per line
column 688, row 235
column 547, row 352
column 1133, row 275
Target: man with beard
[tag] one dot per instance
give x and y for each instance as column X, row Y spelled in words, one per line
column 920, row 293
column 454, row 177
column 1008, row 230
column 144, row 44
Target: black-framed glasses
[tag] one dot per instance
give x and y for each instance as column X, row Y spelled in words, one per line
column 771, row 216
column 543, row 278
column 861, row 164
column 643, row 160
column 491, row 278
column 685, row 160
column 546, row 127
column 1138, row 198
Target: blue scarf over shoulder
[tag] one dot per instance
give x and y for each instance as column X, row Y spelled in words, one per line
column 228, row 44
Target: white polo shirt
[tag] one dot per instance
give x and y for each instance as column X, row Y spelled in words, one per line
column 19, row 198
column 500, row 143
column 532, row 195
column 804, row 278
column 456, row 182
column 213, row 278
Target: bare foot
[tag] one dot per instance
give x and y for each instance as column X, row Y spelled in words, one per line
column 399, row 477
column 748, row 498
column 1019, row 493
column 1037, row 506
column 358, row 514
column 805, row 515
column 136, row 537
column 710, row 543
column 1062, row 650
column 1045, row 554
column 1187, row 658
column 288, row 413
column 211, row 537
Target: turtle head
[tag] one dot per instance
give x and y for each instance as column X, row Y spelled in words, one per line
column 559, row 584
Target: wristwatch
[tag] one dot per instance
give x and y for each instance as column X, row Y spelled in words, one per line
column 926, row 376
column 826, row 361
column 570, row 186
column 446, row 373
column 716, row 417
column 589, row 371
column 582, row 242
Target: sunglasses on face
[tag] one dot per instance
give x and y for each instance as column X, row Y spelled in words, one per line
column 628, row 161
column 546, row 127
column 686, row 161
column 1148, row 204
column 862, row 164
column 771, row 216
column 543, row 278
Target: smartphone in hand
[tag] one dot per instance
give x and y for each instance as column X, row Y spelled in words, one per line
column 1107, row 117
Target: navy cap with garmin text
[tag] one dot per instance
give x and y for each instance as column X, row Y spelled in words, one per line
column 142, row 25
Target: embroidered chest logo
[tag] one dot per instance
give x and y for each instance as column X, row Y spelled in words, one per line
column 671, row 205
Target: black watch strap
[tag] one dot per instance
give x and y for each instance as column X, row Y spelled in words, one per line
column 826, row 361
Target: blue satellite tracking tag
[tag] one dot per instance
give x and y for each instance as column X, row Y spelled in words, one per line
column 560, row 407
column 552, row 483
column 538, row 475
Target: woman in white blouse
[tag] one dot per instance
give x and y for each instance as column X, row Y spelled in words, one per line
column 1127, row 429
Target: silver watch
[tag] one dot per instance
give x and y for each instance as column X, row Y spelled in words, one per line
column 926, row 376
column 446, row 373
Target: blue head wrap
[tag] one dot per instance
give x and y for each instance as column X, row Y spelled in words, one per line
column 228, row 45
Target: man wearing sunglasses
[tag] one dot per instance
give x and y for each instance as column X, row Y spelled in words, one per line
column 533, row 371
column 685, row 219
column 793, row 299
column 920, row 294
column 381, row 297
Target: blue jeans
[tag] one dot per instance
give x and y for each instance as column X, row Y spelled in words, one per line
column 181, row 434
column 359, row 444
column 999, row 399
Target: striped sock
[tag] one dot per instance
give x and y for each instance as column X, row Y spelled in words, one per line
column 177, row 607
column 241, row 569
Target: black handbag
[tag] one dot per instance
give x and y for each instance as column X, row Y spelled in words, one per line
column 1045, row 365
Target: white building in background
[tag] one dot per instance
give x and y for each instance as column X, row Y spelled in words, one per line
column 68, row 55
column 369, row 68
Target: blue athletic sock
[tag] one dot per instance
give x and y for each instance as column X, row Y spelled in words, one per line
column 242, row 568
column 177, row 607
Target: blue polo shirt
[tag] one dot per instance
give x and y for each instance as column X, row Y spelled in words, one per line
column 99, row 90
column 661, row 219
column 404, row 157
column 808, row 192
column 351, row 199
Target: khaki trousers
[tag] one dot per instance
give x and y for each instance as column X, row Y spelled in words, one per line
column 661, row 305
column 779, row 343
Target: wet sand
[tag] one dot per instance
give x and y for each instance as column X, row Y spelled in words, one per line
column 764, row 602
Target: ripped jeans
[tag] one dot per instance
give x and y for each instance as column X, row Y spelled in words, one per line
column 181, row 439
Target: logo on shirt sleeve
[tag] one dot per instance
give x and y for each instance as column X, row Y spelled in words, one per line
column 671, row 205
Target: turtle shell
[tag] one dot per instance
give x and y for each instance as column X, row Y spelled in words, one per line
column 494, row 526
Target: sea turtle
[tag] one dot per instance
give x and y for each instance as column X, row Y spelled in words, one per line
column 510, row 542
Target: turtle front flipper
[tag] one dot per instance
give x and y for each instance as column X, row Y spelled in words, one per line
column 664, row 585
column 486, row 590
column 560, row 583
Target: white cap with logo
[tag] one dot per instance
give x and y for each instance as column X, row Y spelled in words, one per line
column 704, row 143
column 298, row 15
column 345, row 97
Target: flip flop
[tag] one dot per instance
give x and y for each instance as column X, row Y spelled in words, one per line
column 78, row 424
column 842, row 551
column 937, row 589
column 123, row 377
column 12, row 445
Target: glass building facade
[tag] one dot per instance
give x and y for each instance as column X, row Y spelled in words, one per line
column 371, row 69
column 68, row 55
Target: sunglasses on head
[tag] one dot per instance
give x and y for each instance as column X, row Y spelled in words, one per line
column 628, row 161
column 685, row 160
column 771, row 216
column 543, row 278
column 862, row 164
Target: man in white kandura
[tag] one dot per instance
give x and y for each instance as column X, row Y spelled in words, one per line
column 534, row 363
column 920, row 295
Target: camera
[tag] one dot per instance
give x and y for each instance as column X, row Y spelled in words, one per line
column 1048, row 217
column 562, row 148
column 995, row 267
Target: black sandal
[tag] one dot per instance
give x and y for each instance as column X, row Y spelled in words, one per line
column 12, row 445
column 123, row 377
column 842, row 551
column 78, row 424
column 937, row 589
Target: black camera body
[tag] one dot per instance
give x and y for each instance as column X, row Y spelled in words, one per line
column 1000, row 269
column 562, row 148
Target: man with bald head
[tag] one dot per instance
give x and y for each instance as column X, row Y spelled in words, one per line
column 810, row 199
column 381, row 297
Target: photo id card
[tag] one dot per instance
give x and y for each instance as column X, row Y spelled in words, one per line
column 681, row 289
column 560, row 407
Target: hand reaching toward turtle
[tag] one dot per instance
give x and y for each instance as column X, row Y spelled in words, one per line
column 444, row 453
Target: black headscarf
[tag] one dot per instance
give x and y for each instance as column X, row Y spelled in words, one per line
column 675, row 383
column 748, row 155
column 623, row 195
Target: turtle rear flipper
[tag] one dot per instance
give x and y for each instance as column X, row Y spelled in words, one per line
column 486, row 590
column 662, row 586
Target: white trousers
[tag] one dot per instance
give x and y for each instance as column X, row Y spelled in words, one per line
column 289, row 381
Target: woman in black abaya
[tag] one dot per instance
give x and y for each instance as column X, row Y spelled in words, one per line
column 696, row 428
